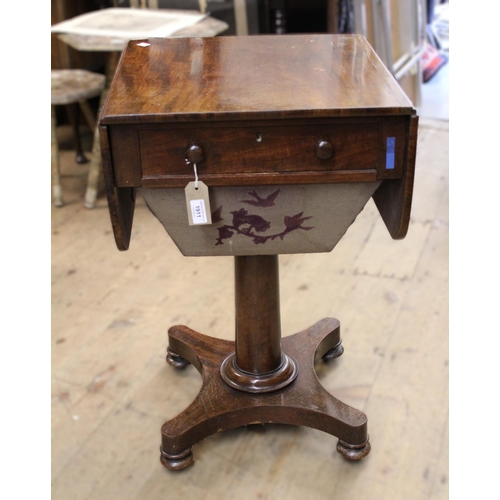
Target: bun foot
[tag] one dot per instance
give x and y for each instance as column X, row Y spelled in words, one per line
column 177, row 462
column 81, row 158
column 173, row 359
column 353, row 451
column 333, row 353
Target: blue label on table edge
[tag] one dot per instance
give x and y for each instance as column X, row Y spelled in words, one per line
column 390, row 153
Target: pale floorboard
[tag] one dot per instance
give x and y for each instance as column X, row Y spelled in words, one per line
column 112, row 390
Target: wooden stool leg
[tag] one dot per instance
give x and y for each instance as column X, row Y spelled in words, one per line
column 56, row 177
column 74, row 117
column 95, row 165
column 87, row 113
column 94, row 173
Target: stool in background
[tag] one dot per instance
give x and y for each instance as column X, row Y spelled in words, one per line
column 73, row 88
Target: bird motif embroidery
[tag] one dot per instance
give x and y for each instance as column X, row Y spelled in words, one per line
column 262, row 202
column 249, row 225
column 245, row 223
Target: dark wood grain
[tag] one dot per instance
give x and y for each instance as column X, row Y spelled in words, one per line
column 124, row 141
column 219, row 407
column 121, row 201
column 156, row 155
column 258, row 325
column 394, row 197
column 227, row 78
column 281, row 148
column 259, row 378
column 264, row 178
column 258, row 365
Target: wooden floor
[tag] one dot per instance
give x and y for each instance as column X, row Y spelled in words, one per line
column 112, row 390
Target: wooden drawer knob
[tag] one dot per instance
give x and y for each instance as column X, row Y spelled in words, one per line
column 195, row 154
column 324, row 150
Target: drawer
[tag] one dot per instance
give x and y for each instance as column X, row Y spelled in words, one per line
column 338, row 151
column 230, row 150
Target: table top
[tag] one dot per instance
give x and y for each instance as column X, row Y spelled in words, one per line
column 260, row 77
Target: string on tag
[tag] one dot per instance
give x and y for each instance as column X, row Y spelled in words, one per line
column 195, row 176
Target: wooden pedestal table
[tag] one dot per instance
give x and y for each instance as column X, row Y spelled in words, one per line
column 291, row 136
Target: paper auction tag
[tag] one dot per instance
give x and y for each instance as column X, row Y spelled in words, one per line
column 198, row 203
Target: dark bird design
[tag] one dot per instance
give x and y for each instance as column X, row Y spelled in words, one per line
column 262, row 202
column 217, row 215
column 248, row 225
column 249, row 222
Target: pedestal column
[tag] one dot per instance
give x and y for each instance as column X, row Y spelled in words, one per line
column 258, row 363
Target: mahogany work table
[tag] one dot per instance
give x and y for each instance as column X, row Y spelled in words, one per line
column 252, row 147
